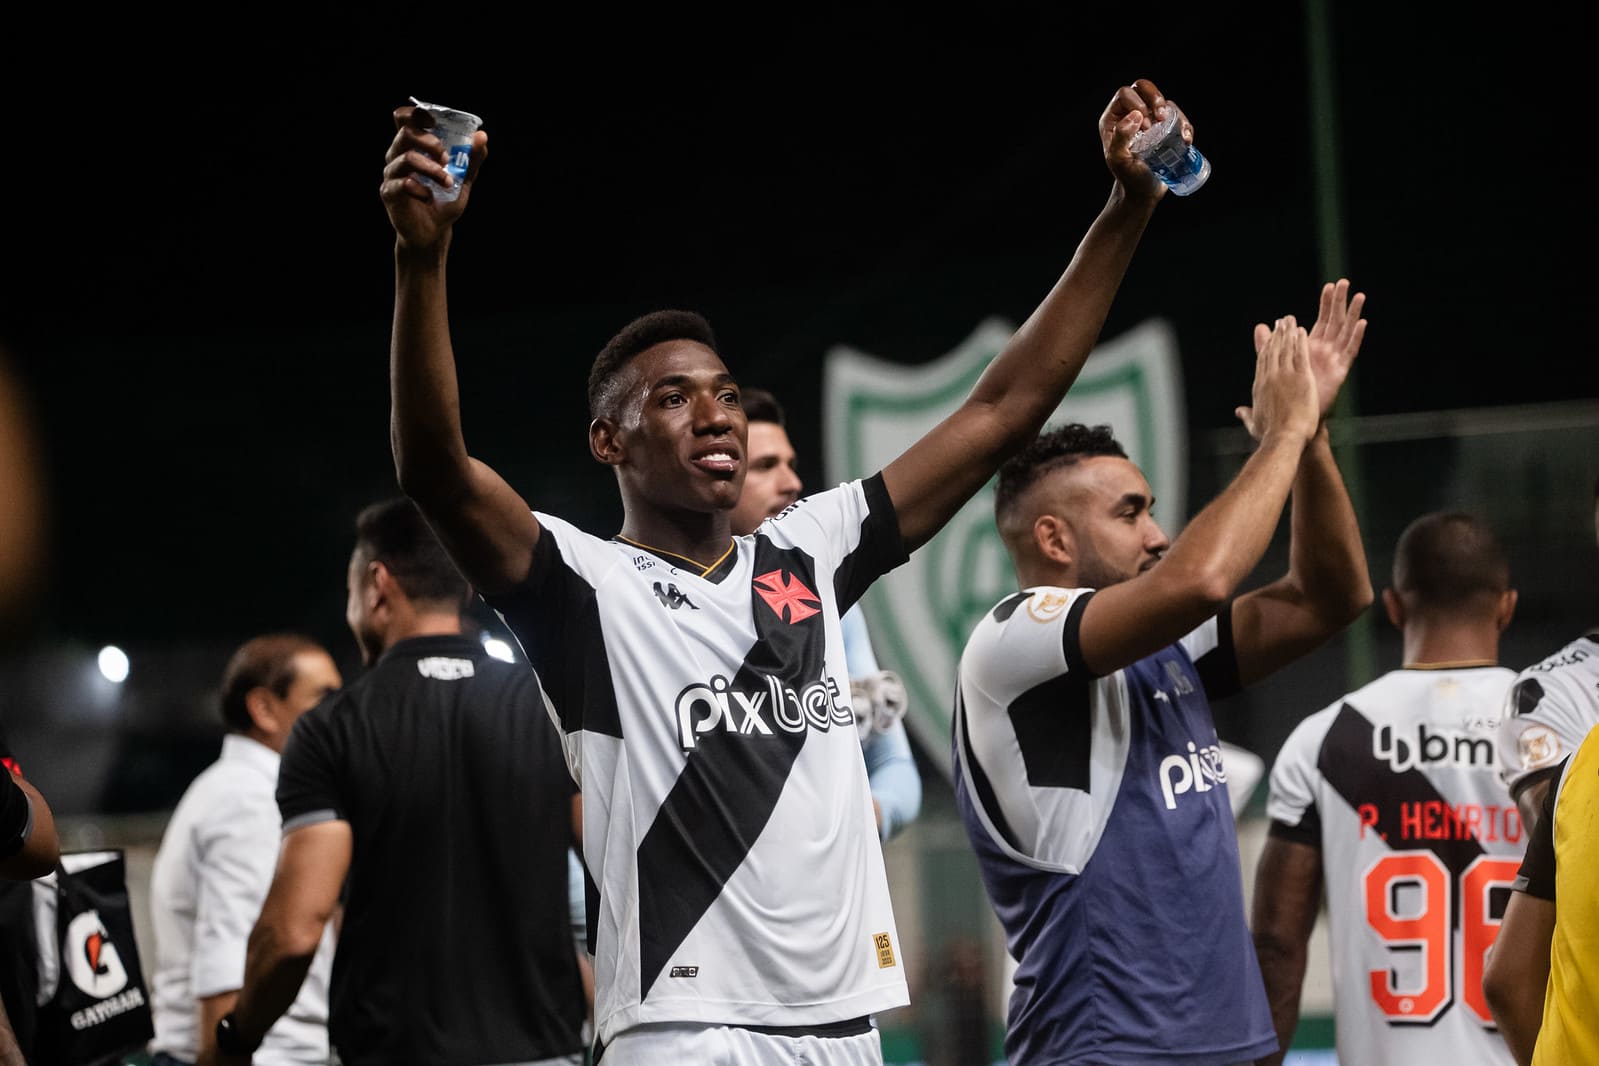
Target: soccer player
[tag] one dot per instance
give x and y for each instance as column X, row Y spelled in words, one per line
column 1087, row 768
column 1544, row 968
column 1553, row 706
column 1390, row 797
column 431, row 796
column 215, row 863
column 770, row 486
column 742, row 911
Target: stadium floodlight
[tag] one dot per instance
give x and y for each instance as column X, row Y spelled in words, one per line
column 113, row 664
column 499, row 649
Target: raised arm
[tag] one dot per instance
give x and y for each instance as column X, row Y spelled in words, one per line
column 1025, row 383
column 487, row 528
column 1221, row 545
column 1326, row 586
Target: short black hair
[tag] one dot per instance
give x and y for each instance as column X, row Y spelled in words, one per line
column 264, row 662
column 1449, row 560
column 761, row 406
column 1054, row 448
column 394, row 533
column 643, row 332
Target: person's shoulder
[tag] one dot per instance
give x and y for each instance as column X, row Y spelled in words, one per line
column 201, row 794
column 1581, row 656
column 569, row 536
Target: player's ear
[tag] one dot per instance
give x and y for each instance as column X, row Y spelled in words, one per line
column 380, row 585
column 604, row 441
column 1394, row 607
column 1507, row 608
column 1053, row 538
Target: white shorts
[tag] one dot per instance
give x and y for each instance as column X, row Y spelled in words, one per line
column 689, row 1044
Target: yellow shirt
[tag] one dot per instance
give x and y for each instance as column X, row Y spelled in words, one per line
column 1570, row 1031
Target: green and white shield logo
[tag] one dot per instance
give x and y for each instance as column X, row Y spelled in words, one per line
column 921, row 614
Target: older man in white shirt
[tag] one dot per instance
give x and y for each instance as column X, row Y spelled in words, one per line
column 216, row 862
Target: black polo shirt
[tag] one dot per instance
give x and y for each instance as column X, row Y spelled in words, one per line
column 455, row 945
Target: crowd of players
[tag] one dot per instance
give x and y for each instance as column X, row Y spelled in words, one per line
column 707, row 752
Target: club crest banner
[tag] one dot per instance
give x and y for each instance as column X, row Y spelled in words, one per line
column 921, row 614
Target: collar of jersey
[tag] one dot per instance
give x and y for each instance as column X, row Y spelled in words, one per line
column 714, row 573
column 457, row 644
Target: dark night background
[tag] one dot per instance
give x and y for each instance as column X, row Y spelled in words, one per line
column 198, row 279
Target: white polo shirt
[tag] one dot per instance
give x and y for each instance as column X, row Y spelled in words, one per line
column 210, row 878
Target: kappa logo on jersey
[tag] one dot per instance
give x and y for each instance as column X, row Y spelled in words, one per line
column 786, row 595
column 1200, row 771
column 1441, row 748
column 444, row 668
column 703, row 708
column 671, row 597
column 92, row 959
column 1181, row 684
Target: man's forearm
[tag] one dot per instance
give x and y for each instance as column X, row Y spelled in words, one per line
column 10, row 1053
column 1325, row 556
column 1024, row 384
column 1227, row 538
column 425, row 425
column 1282, row 966
column 274, row 969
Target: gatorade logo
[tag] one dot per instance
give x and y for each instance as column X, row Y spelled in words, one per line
column 91, row 957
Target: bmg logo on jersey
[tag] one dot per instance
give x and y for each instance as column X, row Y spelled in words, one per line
column 1200, row 771
column 1440, row 748
column 703, row 708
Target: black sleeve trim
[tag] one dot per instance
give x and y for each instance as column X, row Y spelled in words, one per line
column 308, row 777
column 1307, row 832
column 1071, row 644
column 1546, row 774
column 1538, row 867
column 881, row 547
column 1218, row 668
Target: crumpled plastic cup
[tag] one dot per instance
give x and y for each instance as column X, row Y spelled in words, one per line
column 455, row 128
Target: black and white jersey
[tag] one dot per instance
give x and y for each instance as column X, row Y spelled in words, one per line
column 1099, row 812
column 1552, row 707
column 1396, row 784
column 728, row 825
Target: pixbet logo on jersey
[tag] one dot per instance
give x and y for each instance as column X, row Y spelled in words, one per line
column 702, row 708
column 1200, row 771
column 1436, row 748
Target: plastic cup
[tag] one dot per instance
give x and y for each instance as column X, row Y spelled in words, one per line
column 455, row 129
column 1162, row 150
